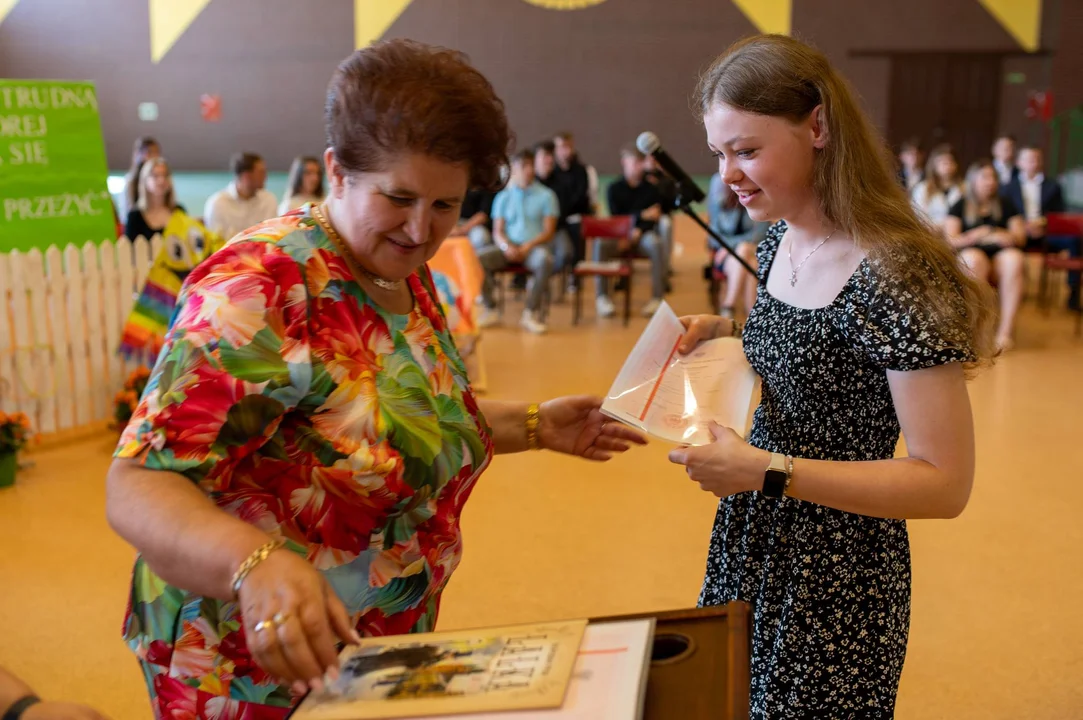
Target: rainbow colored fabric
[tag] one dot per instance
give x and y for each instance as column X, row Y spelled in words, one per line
column 186, row 244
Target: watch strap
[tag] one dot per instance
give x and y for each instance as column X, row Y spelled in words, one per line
column 19, row 707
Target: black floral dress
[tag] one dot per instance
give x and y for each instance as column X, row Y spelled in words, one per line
column 830, row 590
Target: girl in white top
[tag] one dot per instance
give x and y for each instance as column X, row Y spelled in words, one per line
column 941, row 188
column 305, row 184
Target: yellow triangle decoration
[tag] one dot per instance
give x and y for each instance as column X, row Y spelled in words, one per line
column 168, row 21
column 6, row 7
column 1021, row 18
column 565, row 4
column 372, row 18
column 769, row 16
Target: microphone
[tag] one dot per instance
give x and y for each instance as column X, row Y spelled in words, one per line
column 649, row 144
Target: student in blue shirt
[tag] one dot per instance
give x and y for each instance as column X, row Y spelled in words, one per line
column 525, row 217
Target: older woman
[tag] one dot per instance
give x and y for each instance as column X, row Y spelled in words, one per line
column 297, row 467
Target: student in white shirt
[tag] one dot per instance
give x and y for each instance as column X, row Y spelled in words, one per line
column 1004, row 159
column 1037, row 196
column 244, row 202
column 941, row 188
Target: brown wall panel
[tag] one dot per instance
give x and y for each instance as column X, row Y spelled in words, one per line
column 607, row 72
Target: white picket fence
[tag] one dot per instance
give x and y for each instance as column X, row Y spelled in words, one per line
column 64, row 312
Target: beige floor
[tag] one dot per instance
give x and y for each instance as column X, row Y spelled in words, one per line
column 996, row 629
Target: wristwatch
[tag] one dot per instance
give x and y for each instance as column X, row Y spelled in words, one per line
column 777, row 478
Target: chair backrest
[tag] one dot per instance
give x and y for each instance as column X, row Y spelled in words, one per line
column 1064, row 224
column 610, row 228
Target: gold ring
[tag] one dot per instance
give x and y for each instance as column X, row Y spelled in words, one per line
column 281, row 618
column 263, row 625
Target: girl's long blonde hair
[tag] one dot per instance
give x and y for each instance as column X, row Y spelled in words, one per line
column 854, row 179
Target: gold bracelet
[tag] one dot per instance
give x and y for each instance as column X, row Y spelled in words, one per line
column 738, row 329
column 789, row 474
column 533, row 418
column 261, row 553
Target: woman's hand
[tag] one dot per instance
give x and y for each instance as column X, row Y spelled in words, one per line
column 575, row 425
column 727, row 466
column 703, row 327
column 291, row 620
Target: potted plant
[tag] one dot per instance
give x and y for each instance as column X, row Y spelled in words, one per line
column 14, row 435
column 127, row 400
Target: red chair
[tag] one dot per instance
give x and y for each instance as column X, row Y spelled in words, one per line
column 594, row 229
column 1063, row 224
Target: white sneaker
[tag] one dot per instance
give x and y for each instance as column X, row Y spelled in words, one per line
column 488, row 317
column 531, row 323
column 605, row 306
column 651, row 307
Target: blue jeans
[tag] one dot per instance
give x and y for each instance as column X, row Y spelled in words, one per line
column 651, row 245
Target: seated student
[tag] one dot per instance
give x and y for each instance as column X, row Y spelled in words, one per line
column 634, row 195
column 1004, row 159
column 305, row 184
column 911, row 160
column 475, row 219
column 545, row 171
column 941, row 187
column 145, row 148
column 1038, row 195
column 669, row 192
column 155, row 204
column 988, row 232
column 244, row 203
column 581, row 181
column 729, row 218
column 524, row 221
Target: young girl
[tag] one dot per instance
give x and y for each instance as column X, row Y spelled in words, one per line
column 144, row 149
column 941, row 187
column 305, row 184
column 988, row 232
column 156, row 204
column 863, row 323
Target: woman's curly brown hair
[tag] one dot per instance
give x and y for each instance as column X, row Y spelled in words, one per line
column 401, row 96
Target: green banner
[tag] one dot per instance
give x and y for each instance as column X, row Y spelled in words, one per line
column 53, row 171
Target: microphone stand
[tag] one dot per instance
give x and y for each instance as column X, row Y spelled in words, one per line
column 684, row 202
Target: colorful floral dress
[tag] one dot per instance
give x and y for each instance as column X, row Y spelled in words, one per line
column 299, row 406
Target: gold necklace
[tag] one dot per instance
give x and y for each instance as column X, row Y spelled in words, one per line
column 321, row 218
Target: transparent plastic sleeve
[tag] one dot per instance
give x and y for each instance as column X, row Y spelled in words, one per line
column 674, row 397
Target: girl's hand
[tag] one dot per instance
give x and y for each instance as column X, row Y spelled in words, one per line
column 727, row 466
column 703, row 327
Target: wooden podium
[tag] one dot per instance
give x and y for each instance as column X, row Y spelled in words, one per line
column 700, row 663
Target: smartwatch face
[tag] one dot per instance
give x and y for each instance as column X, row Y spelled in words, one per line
column 774, row 483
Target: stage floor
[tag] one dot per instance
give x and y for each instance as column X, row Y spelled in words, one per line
column 996, row 630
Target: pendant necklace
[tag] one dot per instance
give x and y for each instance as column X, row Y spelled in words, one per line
column 794, row 270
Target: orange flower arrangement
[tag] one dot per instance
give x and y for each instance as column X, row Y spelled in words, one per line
column 14, row 432
column 127, row 400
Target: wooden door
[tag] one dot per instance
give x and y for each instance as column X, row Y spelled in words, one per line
column 946, row 98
